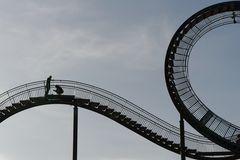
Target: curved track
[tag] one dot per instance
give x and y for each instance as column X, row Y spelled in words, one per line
column 114, row 107
column 196, row 113
column 222, row 134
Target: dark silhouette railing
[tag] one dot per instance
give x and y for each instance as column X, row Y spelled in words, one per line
column 113, row 101
column 185, row 99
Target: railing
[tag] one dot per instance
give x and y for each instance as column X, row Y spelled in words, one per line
column 95, row 94
column 185, row 40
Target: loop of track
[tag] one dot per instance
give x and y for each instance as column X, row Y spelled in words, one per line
column 195, row 112
column 156, row 130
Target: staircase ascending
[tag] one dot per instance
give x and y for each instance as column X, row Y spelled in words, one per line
column 97, row 107
column 114, row 107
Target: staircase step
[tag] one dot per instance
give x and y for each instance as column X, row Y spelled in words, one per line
column 137, row 126
column 191, row 151
column 25, row 102
column 158, row 137
column 122, row 117
column 61, row 97
column 127, row 120
column 153, row 134
column 5, row 111
column 132, row 123
column 148, row 131
column 176, row 146
column 170, row 143
column 143, row 129
column 10, row 108
column 81, row 101
column 207, row 154
column 2, row 113
column 17, row 105
column 109, row 110
column 37, row 99
column 94, row 104
column 206, row 117
column 116, row 114
column 102, row 108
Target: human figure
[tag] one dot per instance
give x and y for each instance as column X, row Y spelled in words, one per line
column 234, row 17
column 48, row 85
column 58, row 90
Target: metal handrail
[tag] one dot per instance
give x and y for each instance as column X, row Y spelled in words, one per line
column 158, row 125
column 220, row 20
column 191, row 107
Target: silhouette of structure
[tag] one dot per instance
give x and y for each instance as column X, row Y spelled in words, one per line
column 75, row 132
column 223, row 137
column 121, row 111
column 191, row 108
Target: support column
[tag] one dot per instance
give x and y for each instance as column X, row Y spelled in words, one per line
column 75, row 132
column 182, row 138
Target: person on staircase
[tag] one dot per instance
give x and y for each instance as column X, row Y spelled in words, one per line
column 58, row 90
column 48, row 85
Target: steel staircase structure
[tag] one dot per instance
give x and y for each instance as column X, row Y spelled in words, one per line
column 114, row 107
column 222, row 142
column 185, row 99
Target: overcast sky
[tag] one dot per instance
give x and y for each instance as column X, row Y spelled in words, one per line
column 117, row 45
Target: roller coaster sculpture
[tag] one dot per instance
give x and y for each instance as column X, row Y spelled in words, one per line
column 219, row 140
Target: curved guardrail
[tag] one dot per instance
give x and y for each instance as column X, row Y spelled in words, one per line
column 202, row 147
column 221, row 132
column 177, row 78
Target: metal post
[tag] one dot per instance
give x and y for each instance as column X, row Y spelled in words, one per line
column 75, row 132
column 182, row 138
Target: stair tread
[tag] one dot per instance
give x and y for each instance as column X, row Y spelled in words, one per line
column 191, row 150
column 10, row 108
column 94, row 104
column 82, row 100
column 127, row 120
column 102, row 107
column 60, row 96
column 25, row 101
column 109, row 110
column 122, row 117
column 116, row 114
column 17, row 104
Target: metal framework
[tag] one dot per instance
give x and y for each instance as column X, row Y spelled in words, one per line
column 114, row 107
column 222, row 134
column 194, row 111
column 75, row 132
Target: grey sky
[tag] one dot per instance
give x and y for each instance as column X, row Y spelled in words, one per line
column 118, row 45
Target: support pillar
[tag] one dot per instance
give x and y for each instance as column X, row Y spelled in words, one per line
column 182, row 138
column 75, row 132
